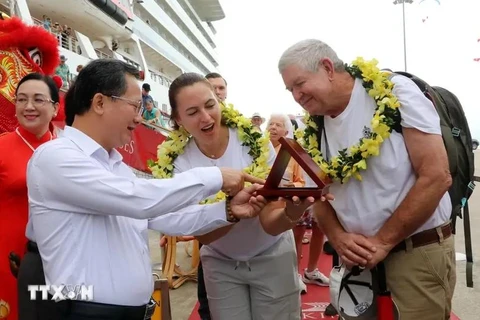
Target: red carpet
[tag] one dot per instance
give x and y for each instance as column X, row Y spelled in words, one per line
column 317, row 298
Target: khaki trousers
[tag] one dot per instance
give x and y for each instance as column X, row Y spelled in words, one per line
column 422, row 280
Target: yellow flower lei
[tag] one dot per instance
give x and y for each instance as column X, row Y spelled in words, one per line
column 347, row 164
column 177, row 140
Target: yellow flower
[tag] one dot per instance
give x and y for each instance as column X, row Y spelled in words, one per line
column 369, row 147
column 362, row 164
column 312, row 141
column 335, row 163
column 357, row 176
column 243, row 122
column 299, row 133
column 312, row 124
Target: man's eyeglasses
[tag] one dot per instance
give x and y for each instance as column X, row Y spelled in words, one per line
column 137, row 104
column 37, row 101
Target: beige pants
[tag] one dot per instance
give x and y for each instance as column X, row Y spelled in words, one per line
column 422, row 280
column 265, row 288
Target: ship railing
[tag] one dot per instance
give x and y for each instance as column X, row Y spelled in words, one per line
column 66, row 41
column 163, row 130
column 69, row 42
column 103, row 55
column 160, row 78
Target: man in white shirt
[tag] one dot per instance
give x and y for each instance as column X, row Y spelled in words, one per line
column 400, row 212
column 89, row 213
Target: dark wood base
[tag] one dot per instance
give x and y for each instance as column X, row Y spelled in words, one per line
column 290, row 192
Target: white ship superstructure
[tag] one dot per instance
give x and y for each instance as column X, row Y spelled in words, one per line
column 162, row 38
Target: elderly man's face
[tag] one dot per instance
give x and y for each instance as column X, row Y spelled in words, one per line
column 311, row 90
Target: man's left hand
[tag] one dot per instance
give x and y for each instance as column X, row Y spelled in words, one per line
column 383, row 249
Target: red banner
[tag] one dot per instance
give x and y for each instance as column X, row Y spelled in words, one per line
column 140, row 149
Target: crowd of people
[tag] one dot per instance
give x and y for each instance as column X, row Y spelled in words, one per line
column 85, row 214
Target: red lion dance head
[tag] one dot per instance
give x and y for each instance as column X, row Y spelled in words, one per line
column 23, row 49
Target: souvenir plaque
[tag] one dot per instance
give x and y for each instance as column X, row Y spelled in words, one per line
column 291, row 148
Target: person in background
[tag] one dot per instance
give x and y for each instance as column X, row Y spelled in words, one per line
column 63, row 71
column 151, row 114
column 257, row 121
column 279, row 125
column 76, row 229
column 146, row 93
column 36, row 104
column 47, row 23
column 219, row 85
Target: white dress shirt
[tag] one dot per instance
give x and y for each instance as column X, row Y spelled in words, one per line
column 88, row 214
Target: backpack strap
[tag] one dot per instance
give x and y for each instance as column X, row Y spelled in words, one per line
column 320, row 122
column 468, row 245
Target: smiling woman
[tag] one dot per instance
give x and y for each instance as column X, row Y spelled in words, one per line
column 36, row 103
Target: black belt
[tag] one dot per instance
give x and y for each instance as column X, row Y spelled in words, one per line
column 425, row 237
column 110, row 311
column 32, row 247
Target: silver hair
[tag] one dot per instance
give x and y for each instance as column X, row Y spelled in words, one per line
column 307, row 54
column 286, row 122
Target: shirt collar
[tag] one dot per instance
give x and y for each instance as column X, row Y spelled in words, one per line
column 90, row 146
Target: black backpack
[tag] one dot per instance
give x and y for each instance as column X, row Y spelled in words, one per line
column 458, row 143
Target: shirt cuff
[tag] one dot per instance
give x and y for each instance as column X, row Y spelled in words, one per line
column 212, row 180
column 218, row 213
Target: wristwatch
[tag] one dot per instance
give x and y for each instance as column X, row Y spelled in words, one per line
column 228, row 210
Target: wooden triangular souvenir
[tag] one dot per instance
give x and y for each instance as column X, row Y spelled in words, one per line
column 291, row 148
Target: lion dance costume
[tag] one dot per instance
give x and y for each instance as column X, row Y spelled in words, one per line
column 24, row 49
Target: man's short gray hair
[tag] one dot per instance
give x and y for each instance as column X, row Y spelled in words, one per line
column 307, row 54
column 286, row 122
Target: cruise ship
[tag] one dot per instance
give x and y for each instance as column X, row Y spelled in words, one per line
column 162, row 38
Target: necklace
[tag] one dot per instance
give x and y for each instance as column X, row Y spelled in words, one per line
column 25, row 140
column 351, row 160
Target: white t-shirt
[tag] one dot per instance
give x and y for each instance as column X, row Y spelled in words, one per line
column 247, row 238
column 364, row 206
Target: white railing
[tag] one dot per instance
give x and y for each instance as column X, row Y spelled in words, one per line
column 163, row 130
column 69, row 42
column 103, row 55
column 160, row 78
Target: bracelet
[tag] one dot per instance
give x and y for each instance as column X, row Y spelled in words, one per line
column 228, row 210
column 288, row 217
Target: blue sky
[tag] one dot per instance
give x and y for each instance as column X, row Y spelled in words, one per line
column 440, row 49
